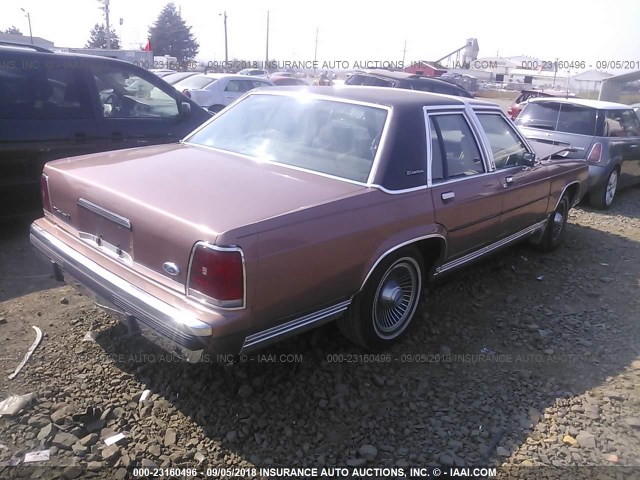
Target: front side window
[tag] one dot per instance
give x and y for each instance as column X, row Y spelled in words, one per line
column 123, row 94
column 508, row 150
column 336, row 138
column 454, row 150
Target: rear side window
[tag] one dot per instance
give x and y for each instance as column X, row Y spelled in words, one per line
column 560, row 117
column 621, row 123
column 40, row 90
column 508, row 150
column 454, row 151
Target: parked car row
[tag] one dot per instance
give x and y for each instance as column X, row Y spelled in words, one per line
column 294, row 207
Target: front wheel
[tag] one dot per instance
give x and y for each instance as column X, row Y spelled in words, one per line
column 602, row 197
column 383, row 310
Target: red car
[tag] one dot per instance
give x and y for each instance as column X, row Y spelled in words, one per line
column 297, row 206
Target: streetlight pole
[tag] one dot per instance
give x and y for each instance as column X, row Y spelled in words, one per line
column 29, row 19
column 266, row 59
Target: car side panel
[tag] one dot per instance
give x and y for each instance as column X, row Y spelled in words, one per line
column 323, row 255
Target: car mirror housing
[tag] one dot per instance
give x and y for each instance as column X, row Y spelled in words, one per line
column 529, row 159
column 185, row 109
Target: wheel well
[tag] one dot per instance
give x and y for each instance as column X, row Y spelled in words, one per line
column 572, row 193
column 432, row 251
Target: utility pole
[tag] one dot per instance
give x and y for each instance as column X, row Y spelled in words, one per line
column 105, row 7
column 404, row 53
column 226, row 51
column 29, row 19
column 266, row 58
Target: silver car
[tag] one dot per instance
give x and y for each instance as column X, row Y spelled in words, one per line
column 606, row 134
column 214, row 91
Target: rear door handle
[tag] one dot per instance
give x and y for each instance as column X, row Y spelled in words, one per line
column 448, row 195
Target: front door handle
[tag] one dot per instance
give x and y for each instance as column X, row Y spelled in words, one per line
column 507, row 181
column 448, row 195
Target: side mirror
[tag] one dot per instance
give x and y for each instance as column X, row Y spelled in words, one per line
column 529, row 159
column 185, row 109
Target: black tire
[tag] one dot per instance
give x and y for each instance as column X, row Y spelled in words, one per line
column 556, row 226
column 215, row 108
column 602, row 196
column 381, row 313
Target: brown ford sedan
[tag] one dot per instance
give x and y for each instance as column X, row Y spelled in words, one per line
column 298, row 206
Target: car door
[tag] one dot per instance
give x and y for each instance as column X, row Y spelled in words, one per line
column 133, row 108
column 526, row 188
column 630, row 148
column 233, row 90
column 45, row 114
column 465, row 194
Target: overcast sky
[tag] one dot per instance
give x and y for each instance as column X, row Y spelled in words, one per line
column 353, row 30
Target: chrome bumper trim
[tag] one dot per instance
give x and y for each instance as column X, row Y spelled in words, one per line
column 293, row 327
column 169, row 327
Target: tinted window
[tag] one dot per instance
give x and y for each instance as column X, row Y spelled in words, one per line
column 238, row 86
column 47, row 92
column 459, row 152
column 621, row 123
column 508, row 150
column 561, row 117
column 325, row 136
column 123, row 94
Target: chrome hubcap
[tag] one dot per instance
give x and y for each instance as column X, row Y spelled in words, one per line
column 558, row 223
column 612, row 184
column 396, row 298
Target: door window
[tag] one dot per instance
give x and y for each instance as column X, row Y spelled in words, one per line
column 124, row 94
column 508, row 150
column 621, row 123
column 45, row 92
column 237, row 86
column 454, row 151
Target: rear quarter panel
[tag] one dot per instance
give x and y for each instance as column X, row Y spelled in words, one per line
column 563, row 173
column 322, row 255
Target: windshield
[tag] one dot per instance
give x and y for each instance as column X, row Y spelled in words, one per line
column 560, row 117
column 195, row 82
column 332, row 137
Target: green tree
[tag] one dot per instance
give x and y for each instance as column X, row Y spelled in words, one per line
column 98, row 38
column 13, row 30
column 171, row 36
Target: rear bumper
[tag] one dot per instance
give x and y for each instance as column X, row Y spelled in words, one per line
column 172, row 329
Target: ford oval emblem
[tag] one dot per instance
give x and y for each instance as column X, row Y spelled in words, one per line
column 171, row 268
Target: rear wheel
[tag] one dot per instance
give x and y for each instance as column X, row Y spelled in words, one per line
column 381, row 313
column 602, row 197
column 556, row 226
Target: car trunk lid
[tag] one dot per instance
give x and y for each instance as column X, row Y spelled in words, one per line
column 154, row 203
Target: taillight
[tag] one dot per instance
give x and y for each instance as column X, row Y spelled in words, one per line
column 595, row 154
column 44, row 188
column 217, row 275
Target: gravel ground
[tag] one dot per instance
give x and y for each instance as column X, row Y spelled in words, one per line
column 524, row 359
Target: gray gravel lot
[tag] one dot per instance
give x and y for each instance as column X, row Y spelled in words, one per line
column 558, row 383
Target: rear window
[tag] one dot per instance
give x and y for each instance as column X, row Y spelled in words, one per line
column 559, row 117
column 336, row 138
column 194, row 83
column 368, row 81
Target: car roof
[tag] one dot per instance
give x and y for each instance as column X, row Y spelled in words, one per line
column 390, row 97
column 598, row 104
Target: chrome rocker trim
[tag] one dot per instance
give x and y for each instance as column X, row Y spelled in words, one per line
column 168, row 327
column 489, row 248
column 293, row 327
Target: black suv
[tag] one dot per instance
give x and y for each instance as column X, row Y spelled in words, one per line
column 55, row 105
column 386, row 78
